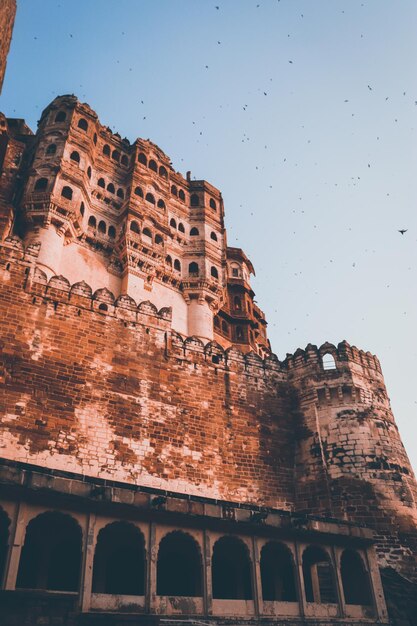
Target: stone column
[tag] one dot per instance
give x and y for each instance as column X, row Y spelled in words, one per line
column 299, row 578
column 339, row 583
column 17, row 538
column 153, row 555
column 207, row 578
column 376, row 584
column 87, row 563
column 256, row 577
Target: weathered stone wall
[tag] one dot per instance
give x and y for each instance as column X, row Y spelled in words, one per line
column 116, row 394
column 7, row 15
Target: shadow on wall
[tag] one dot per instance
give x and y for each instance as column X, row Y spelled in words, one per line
column 400, row 596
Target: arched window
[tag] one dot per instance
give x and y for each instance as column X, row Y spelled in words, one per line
column 161, row 204
column 138, row 192
column 106, row 150
column 124, row 160
column 82, row 208
column 115, row 155
column 213, row 236
column 4, row 536
column 83, row 124
column 149, row 197
column 194, row 232
column 181, row 195
column 174, row 190
column 355, row 579
column 193, row 269
column 119, row 560
column 213, row 204
column 75, row 156
column 146, row 232
column 142, row 158
column 41, row 184
column 95, row 139
column 61, row 116
column 51, row 555
column 177, row 265
column 89, row 172
column 112, row 232
column 101, row 183
column 66, row 192
column 153, row 166
column 168, row 260
column 239, row 333
column 172, row 223
column 111, row 188
column 92, row 222
column 134, row 227
column 181, row 228
column 120, row 193
column 51, row 149
column 328, row 361
column 225, row 327
column 159, row 240
column 163, row 172
column 235, row 270
column 179, row 567
column 318, row 576
column 195, row 200
column 277, row 573
column 102, row 227
column 231, row 571
column 237, row 303
column 214, row 272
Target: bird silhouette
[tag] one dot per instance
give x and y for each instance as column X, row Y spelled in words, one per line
column 403, row 230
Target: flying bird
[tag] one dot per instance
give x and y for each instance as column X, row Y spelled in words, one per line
column 403, row 230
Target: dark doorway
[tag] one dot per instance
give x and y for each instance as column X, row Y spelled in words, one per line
column 51, row 555
column 179, row 566
column 119, row 560
column 231, row 570
column 355, row 579
column 277, row 573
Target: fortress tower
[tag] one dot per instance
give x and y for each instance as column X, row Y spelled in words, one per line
column 350, row 459
column 117, row 215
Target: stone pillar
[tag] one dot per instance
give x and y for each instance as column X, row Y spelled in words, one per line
column 339, row 583
column 17, row 538
column 87, row 563
column 299, row 577
column 153, row 556
column 376, row 584
column 256, row 578
column 200, row 319
column 207, row 580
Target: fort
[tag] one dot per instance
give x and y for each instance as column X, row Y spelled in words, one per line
column 158, row 463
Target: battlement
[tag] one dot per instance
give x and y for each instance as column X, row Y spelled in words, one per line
column 313, row 358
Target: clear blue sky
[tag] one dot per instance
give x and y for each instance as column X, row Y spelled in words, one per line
column 317, row 175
